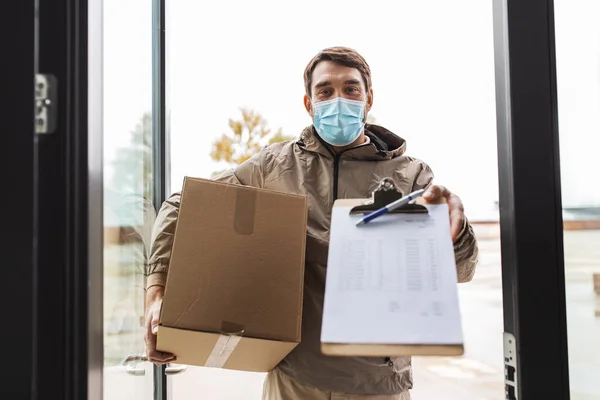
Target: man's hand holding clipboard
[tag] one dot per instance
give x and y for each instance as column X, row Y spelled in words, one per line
column 437, row 194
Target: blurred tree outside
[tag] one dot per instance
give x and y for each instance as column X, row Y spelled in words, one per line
column 248, row 135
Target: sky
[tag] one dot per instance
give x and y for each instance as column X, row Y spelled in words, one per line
column 432, row 68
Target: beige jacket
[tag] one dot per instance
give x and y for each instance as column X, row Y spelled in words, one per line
column 309, row 167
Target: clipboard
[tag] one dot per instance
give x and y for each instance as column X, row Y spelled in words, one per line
column 385, row 193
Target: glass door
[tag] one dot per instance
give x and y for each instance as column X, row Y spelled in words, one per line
column 84, row 179
column 434, row 82
column 131, row 125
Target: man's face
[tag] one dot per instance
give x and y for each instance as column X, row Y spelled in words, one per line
column 331, row 80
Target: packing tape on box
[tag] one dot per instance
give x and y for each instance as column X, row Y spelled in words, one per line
column 226, row 344
column 245, row 209
column 222, row 350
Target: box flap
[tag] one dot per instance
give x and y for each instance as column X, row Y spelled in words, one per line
column 194, row 348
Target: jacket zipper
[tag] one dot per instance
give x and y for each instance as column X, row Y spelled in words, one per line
column 336, row 168
column 336, row 172
column 336, row 164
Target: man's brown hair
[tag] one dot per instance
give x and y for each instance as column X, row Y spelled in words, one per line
column 342, row 56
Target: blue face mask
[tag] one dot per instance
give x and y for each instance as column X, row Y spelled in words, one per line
column 339, row 121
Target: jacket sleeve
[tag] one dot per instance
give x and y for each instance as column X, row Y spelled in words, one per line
column 465, row 248
column 250, row 173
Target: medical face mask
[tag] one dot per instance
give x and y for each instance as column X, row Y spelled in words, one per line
column 339, row 121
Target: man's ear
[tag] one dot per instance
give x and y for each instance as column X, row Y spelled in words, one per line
column 308, row 105
column 370, row 100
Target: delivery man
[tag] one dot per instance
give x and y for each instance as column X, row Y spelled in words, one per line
column 338, row 156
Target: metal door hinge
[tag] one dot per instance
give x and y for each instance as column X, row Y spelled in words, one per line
column 45, row 103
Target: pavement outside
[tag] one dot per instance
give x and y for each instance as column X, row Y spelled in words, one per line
column 479, row 374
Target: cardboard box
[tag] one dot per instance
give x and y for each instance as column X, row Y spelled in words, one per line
column 233, row 297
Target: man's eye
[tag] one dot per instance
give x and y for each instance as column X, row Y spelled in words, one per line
column 352, row 89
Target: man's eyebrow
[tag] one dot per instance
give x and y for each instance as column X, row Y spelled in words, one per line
column 328, row 83
column 322, row 84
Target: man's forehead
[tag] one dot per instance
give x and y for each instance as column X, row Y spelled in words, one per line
column 328, row 71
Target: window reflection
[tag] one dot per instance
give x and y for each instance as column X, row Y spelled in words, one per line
column 128, row 210
column 129, row 221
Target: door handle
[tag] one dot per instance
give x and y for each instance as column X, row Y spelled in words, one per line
column 130, row 363
column 131, row 370
column 174, row 369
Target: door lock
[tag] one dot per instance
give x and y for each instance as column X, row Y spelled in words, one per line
column 510, row 367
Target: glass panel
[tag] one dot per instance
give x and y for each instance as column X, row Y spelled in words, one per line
column 433, row 76
column 128, row 211
column 578, row 81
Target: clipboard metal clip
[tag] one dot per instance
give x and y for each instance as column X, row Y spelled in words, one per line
column 385, row 193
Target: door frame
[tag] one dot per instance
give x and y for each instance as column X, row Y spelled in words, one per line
column 58, row 179
column 55, row 181
column 533, row 275
column 161, row 156
column 18, row 34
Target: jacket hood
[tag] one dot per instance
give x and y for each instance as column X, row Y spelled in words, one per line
column 384, row 144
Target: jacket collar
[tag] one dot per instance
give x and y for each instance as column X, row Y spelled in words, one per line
column 384, row 145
